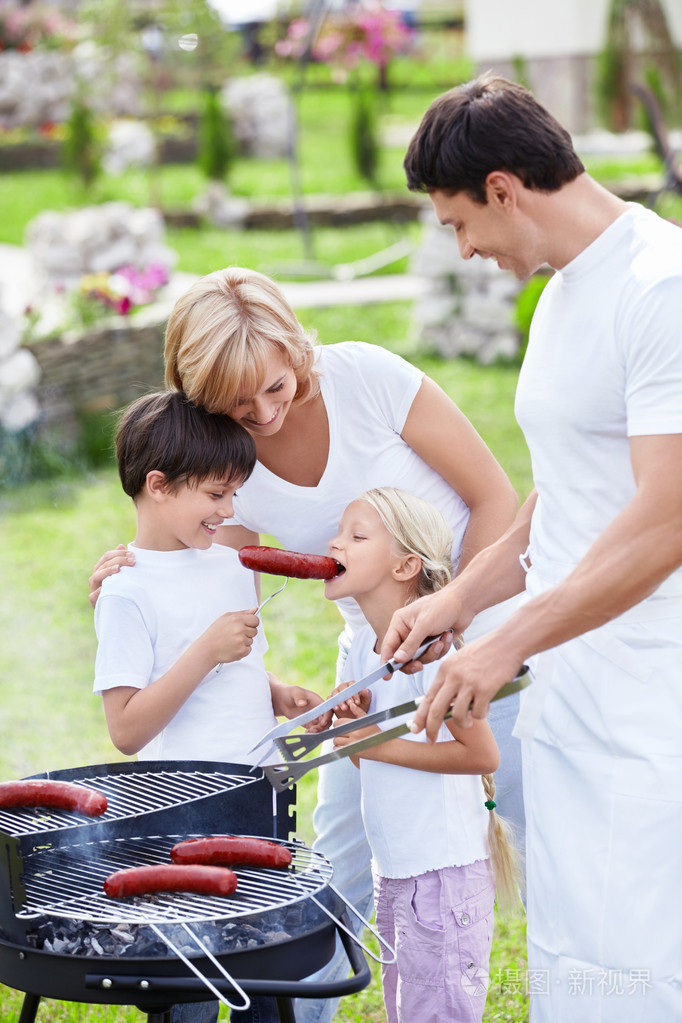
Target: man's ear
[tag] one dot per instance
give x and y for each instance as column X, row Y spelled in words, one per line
column 407, row 568
column 156, row 485
column 500, row 190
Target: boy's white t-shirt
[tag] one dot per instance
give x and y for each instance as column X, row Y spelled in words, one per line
column 367, row 393
column 415, row 821
column 148, row 615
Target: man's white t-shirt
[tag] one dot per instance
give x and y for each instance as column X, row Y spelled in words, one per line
column 604, row 363
column 148, row 615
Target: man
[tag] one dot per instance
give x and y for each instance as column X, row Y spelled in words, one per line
column 597, row 547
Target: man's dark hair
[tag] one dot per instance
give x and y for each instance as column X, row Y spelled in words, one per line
column 164, row 431
column 489, row 124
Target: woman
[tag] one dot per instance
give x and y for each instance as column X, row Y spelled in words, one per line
column 330, row 422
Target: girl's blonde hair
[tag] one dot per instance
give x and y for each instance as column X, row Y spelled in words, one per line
column 419, row 528
column 221, row 335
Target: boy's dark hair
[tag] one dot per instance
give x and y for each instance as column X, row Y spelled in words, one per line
column 489, row 124
column 164, row 431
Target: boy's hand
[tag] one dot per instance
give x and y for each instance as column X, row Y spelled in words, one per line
column 232, row 635
column 290, row 701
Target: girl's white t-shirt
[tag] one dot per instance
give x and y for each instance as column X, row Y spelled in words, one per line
column 415, row 820
column 367, row 393
column 148, row 615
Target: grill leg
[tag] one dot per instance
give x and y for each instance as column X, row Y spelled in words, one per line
column 29, row 1008
column 285, row 1009
column 159, row 1015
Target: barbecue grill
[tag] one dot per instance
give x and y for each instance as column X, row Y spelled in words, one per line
column 62, row 937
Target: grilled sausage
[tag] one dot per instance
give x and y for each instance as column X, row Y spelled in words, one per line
column 231, row 850
column 296, row 566
column 170, row 877
column 57, row 795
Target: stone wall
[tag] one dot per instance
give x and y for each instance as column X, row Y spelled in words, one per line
column 100, row 371
column 468, row 307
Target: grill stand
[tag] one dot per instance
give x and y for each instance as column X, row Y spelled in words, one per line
column 284, row 991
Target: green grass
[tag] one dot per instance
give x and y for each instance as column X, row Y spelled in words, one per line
column 52, row 534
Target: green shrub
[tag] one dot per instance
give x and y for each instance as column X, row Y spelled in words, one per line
column 217, row 148
column 526, row 301
column 83, row 145
column 364, row 140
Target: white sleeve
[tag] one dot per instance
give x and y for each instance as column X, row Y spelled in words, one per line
column 125, row 656
column 653, row 362
column 390, row 382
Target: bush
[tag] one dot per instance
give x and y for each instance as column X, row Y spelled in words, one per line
column 83, row 145
column 526, row 302
column 364, row 141
column 217, row 148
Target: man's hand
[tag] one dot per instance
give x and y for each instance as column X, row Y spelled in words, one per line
column 466, row 682
column 438, row 614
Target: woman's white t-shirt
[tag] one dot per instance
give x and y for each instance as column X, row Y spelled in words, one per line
column 367, row 393
column 415, row 820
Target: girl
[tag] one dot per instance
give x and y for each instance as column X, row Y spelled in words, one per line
column 438, row 848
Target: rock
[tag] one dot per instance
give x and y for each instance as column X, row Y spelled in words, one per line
column 20, row 412
column 261, row 113
column 20, row 372
column 469, row 306
column 130, row 144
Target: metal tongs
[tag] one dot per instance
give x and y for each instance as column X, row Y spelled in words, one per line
column 282, row 776
column 309, row 715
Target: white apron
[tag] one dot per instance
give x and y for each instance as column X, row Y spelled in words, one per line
column 603, row 802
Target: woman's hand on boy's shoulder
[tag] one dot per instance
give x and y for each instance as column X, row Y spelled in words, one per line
column 108, row 564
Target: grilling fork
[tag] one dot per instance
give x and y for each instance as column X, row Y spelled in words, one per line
column 282, row 776
column 257, row 611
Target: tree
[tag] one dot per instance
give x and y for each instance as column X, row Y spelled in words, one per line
column 625, row 61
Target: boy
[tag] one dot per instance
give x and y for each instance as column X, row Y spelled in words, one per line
column 180, row 653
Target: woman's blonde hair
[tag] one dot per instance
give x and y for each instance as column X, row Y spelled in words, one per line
column 221, row 334
column 419, row 528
